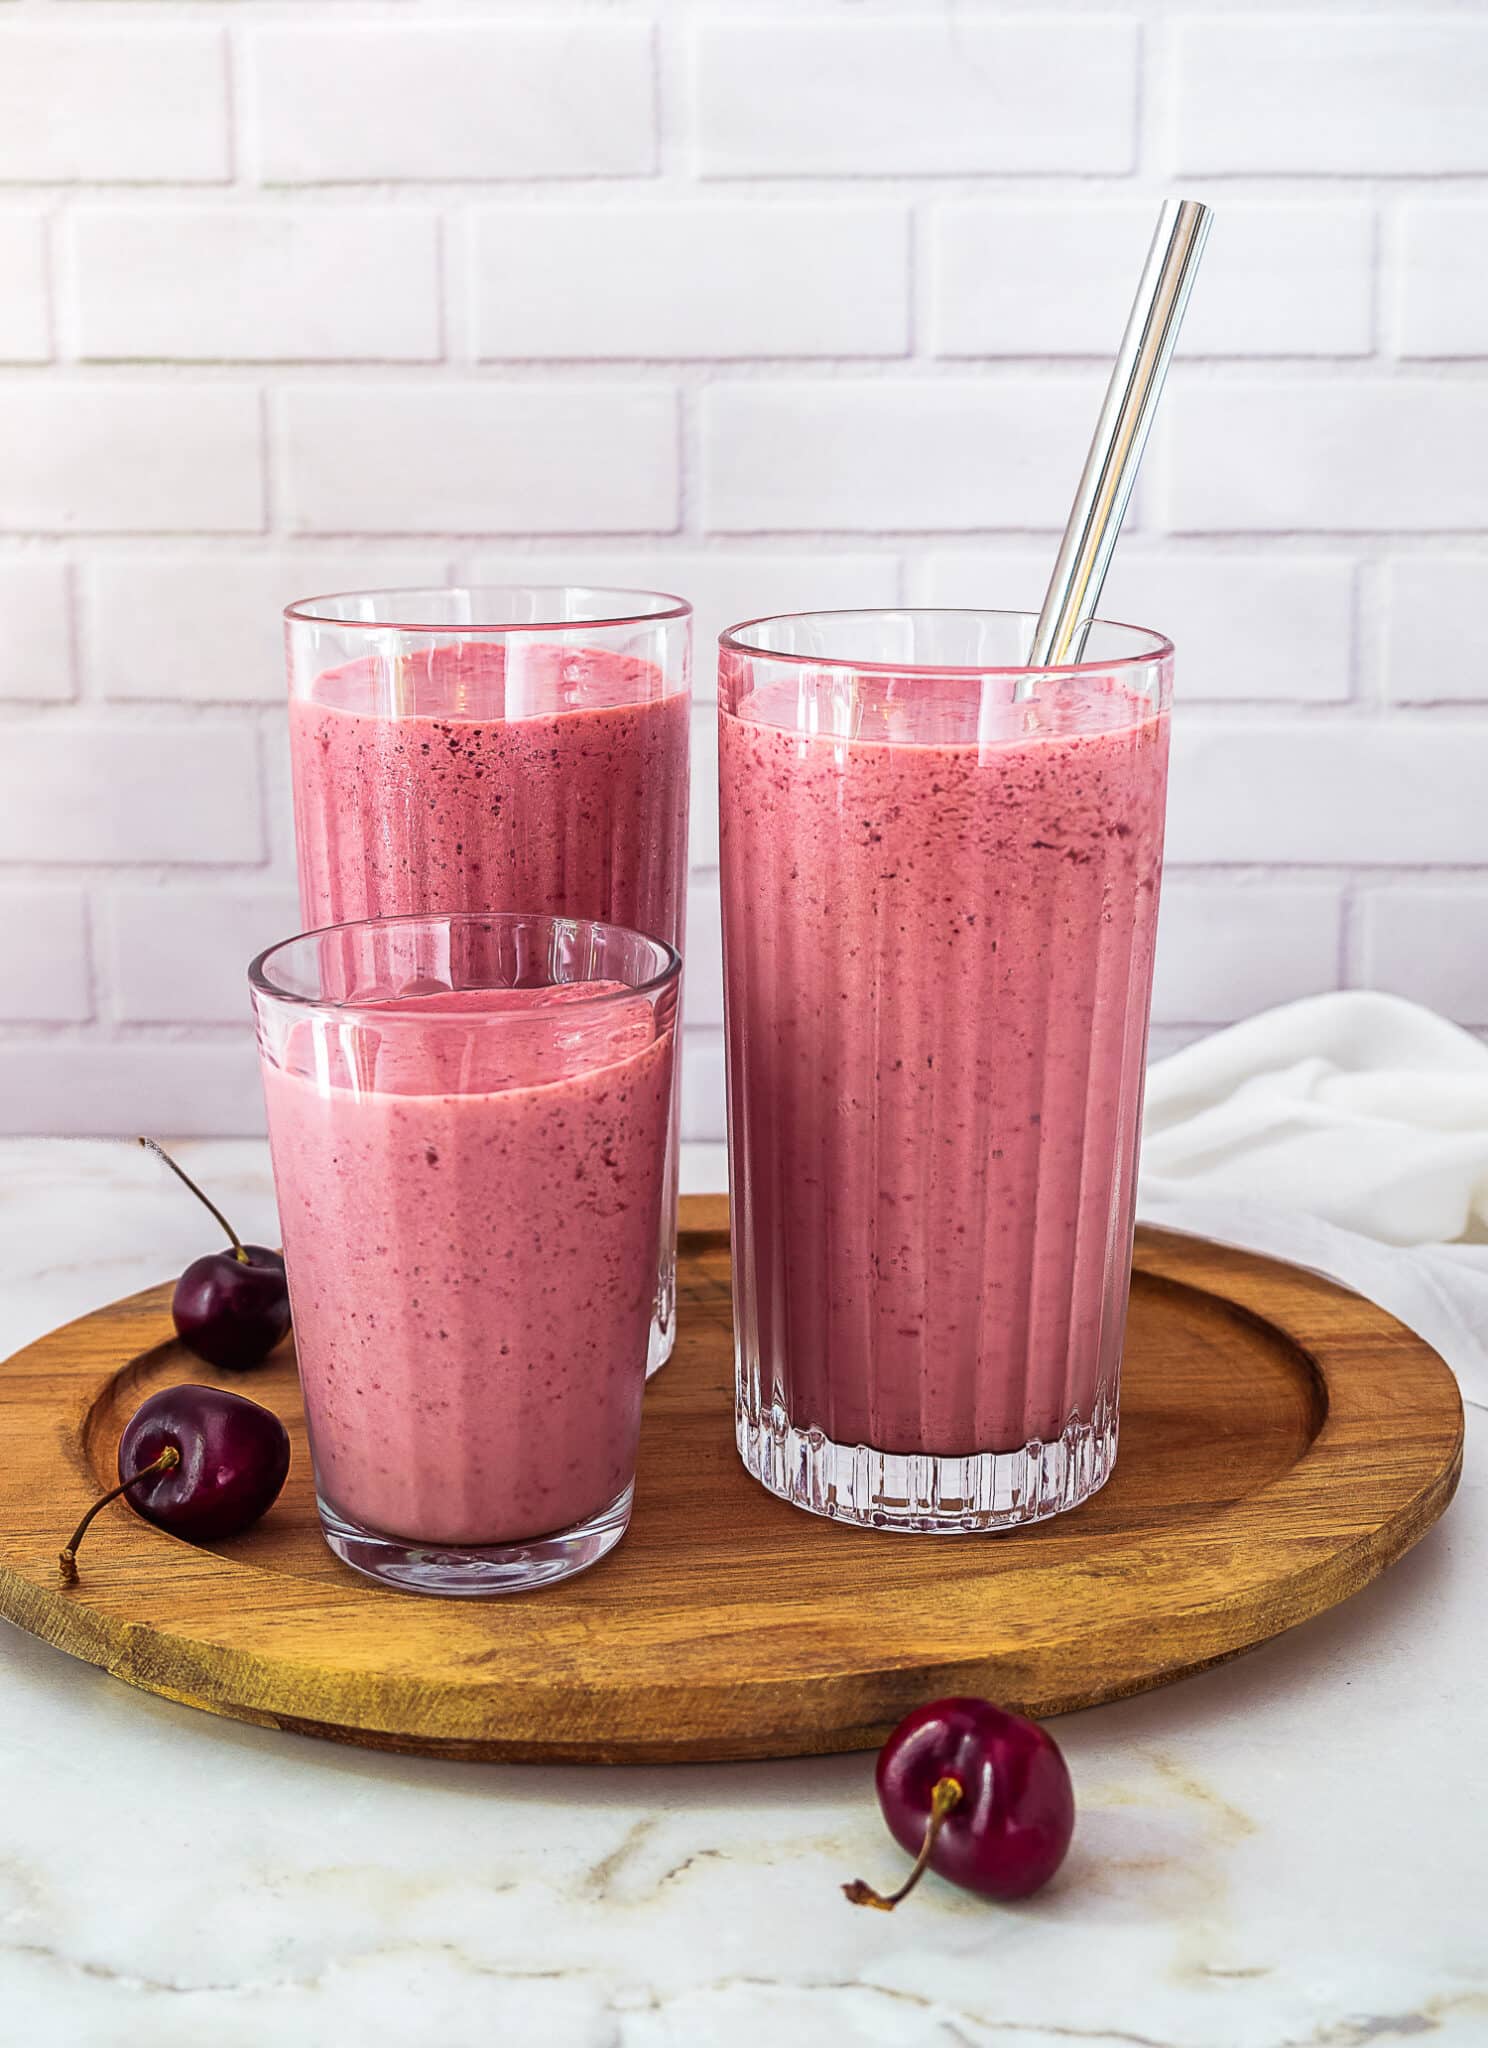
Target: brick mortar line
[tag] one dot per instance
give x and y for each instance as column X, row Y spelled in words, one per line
column 877, row 372
column 1034, row 191
column 1278, row 544
column 865, row 187
column 845, row 13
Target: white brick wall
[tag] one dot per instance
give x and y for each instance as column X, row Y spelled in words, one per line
column 25, row 311
column 1043, row 277
column 1347, row 456
column 352, row 102
column 738, row 280
column 1367, row 90
column 1227, row 948
column 780, row 306
column 462, row 457
column 110, row 794
column 47, row 976
column 1431, row 944
column 1436, row 629
column 704, row 957
column 114, row 102
column 180, row 956
column 225, row 637
column 1440, row 306
column 855, row 456
column 129, row 458
column 928, row 89
column 1359, row 792
column 35, row 632
column 260, row 284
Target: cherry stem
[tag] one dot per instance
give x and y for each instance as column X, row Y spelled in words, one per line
column 946, row 1795
column 206, row 1201
column 168, row 1460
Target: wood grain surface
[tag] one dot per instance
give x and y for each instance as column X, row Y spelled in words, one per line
column 1282, row 1441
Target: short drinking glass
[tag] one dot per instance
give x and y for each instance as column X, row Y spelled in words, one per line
column 468, row 1119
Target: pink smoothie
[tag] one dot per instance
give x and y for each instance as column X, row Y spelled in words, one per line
column 557, row 783
column 938, row 940
column 470, row 1231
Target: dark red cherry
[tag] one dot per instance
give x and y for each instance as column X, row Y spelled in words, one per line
column 198, row 1461
column 977, row 1795
column 231, row 1307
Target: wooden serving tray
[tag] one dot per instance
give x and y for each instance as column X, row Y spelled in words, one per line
column 1282, row 1442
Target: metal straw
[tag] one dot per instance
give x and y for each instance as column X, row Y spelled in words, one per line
column 1120, row 436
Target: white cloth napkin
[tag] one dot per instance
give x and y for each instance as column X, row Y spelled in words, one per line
column 1349, row 1134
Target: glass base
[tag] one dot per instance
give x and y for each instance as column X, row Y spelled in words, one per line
column 923, row 1494
column 663, row 1321
column 475, row 1573
column 663, row 1344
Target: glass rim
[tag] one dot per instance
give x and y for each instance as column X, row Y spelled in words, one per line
column 1159, row 647
column 663, row 606
column 261, row 983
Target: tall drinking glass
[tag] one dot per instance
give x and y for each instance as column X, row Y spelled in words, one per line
column 468, row 1120
column 496, row 748
column 939, row 906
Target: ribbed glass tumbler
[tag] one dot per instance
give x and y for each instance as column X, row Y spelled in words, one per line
column 940, row 883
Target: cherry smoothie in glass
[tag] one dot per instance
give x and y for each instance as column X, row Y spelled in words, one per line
column 496, row 749
column 469, row 1170
column 940, row 905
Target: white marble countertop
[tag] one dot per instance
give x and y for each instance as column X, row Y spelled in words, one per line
column 1287, row 1852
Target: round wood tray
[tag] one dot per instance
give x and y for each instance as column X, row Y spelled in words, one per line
column 1282, row 1442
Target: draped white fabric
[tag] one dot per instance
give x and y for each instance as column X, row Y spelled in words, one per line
column 1349, row 1134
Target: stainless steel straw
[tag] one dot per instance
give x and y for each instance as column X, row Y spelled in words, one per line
column 1120, row 436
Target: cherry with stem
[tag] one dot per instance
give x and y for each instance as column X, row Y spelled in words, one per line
column 945, row 1796
column 239, row 1250
column 232, row 1307
column 980, row 1796
column 168, row 1460
column 199, row 1461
